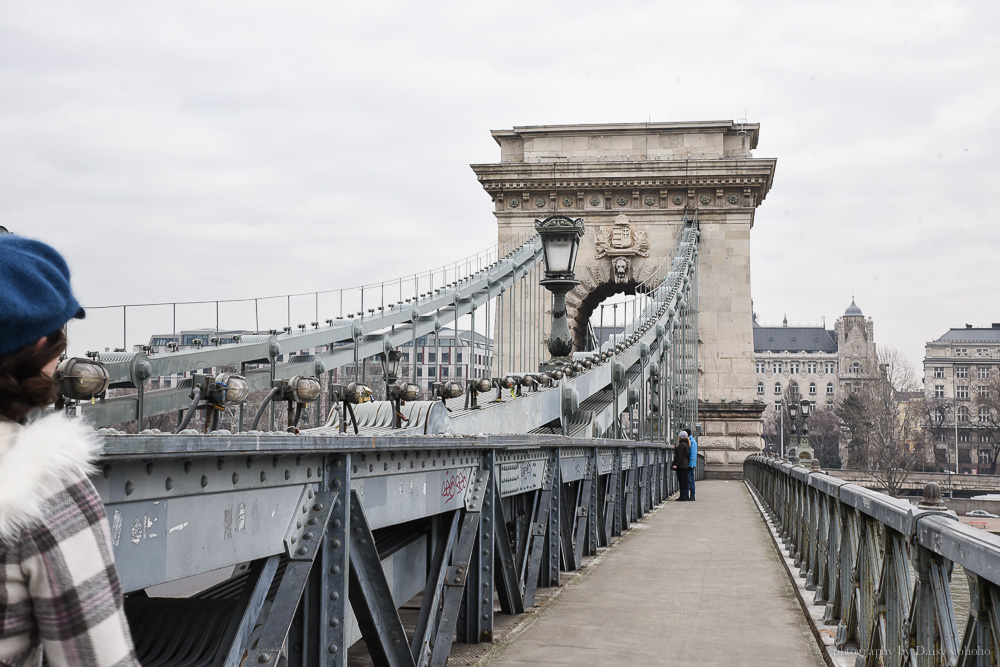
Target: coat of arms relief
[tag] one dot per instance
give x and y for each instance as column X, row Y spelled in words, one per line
column 620, row 243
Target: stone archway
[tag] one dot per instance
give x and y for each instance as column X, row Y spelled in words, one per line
column 618, row 261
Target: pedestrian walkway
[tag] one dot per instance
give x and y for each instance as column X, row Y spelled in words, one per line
column 696, row 584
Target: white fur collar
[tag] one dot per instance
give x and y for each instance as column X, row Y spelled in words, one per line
column 35, row 461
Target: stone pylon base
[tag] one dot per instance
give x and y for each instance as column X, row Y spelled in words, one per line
column 731, row 432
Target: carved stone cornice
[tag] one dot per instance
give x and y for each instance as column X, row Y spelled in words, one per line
column 755, row 173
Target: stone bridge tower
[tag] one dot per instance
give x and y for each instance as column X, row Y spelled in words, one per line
column 632, row 184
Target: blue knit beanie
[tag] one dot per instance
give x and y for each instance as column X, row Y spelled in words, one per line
column 35, row 296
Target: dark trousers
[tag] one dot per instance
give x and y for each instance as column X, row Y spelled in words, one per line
column 683, row 482
column 690, row 483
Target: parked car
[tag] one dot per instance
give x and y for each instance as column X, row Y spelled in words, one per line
column 982, row 514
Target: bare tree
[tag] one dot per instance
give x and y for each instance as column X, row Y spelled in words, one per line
column 987, row 416
column 824, row 437
column 880, row 428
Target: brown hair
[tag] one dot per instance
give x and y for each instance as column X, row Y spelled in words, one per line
column 23, row 387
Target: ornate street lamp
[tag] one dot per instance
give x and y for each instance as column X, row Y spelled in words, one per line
column 804, row 452
column 560, row 244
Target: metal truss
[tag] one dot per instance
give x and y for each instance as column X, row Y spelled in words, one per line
column 320, row 545
column 884, row 568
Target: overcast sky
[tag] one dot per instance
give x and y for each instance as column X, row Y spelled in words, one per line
column 191, row 150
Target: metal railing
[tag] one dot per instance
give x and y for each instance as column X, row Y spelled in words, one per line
column 303, row 530
column 883, row 567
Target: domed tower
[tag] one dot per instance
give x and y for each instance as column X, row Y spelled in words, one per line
column 856, row 355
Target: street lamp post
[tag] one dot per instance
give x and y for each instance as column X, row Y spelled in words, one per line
column 799, row 450
column 560, row 244
column 793, row 446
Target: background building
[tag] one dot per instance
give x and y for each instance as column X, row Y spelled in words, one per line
column 961, row 383
column 817, row 363
column 445, row 356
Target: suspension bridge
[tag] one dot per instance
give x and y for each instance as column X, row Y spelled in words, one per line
column 405, row 515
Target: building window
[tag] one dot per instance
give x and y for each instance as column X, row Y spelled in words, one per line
column 811, row 367
column 793, row 387
column 961, row 351
column 939, row 391
column 444, row 371
column 431, row 371
column 777, row 367
column 458, row 372
column 793, row 367
column 984, row 414
column 831, row 367
column 777, row 388
column 962, row 391
column 856, row 368
column 939, row 371
column 962, row 372
column 760, row 388
column 829, row 389
column 983, row 391
column 984, row 457
column 963, row 414
column 459, row 357
column 420, row 357
column 984, row 372
column 812, row 388
column 406, row 357
column 777, row 406
column 963, row 437
column 446, row 357
column 431, row 357
column 420, row 372
column 761, row 367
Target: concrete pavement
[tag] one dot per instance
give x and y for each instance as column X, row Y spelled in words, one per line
column 696, row 584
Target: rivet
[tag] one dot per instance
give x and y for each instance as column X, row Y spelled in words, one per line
column 204, row 480
column 263, row 657
column 334, row 595
column 236, row 478
column 335, row 544
column 335, row 569
column 169, row 483
column 334, row 622
column 332, row 648
column 263, row 476
column 302, row 551
column 313, row 521
column 307, row 535
column 318, row 507
column 129, row 488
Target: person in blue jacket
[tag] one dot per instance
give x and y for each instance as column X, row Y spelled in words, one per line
column 692, row 465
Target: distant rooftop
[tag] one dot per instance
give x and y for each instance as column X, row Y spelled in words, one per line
column 971, row 334
column 853, row 310
column 793, row 339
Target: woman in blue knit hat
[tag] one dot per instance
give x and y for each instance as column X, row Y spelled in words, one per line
column 60, row 595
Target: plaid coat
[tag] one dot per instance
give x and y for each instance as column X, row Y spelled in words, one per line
column 59, row 590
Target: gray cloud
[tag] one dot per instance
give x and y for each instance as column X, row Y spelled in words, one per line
column 232, row 150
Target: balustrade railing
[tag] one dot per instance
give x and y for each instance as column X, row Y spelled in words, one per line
column 884, row 568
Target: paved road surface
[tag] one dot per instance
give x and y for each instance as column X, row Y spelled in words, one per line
column 697, row 584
